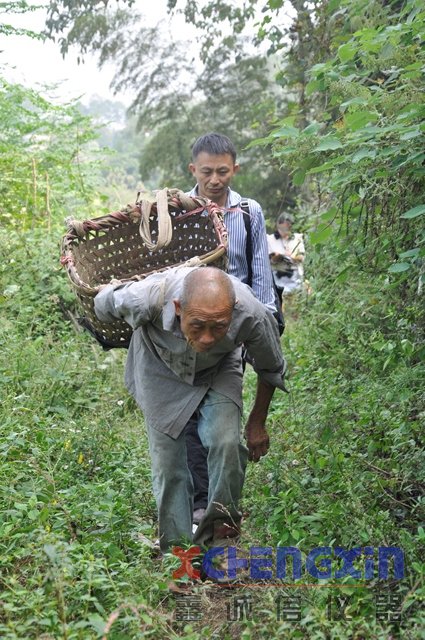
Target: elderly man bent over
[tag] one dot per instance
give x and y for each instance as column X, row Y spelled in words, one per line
column 185, row 358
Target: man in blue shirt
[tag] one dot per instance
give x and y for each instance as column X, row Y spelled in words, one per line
column 213, row 166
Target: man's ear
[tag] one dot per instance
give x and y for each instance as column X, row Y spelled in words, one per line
column 236, row 167
column 177, row 307
column 192, row 168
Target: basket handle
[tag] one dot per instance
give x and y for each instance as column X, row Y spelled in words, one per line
column 165, row 227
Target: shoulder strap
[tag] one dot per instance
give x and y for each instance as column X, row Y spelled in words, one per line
column 244, row 205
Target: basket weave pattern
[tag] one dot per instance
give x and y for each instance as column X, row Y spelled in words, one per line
column 111, row 248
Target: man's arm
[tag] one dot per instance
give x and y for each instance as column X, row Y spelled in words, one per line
column 264, row 349
column 257, row 438
column 262, row 282
column 134, row 302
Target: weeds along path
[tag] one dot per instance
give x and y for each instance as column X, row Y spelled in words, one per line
column 344, row 468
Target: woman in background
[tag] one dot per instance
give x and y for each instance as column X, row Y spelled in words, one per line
column 286, row 253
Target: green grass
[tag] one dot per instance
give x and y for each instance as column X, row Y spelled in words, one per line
column 345, row 468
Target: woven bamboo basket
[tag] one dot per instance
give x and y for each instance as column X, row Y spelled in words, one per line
column 128, row 245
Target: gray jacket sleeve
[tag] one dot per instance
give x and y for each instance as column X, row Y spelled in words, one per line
column 264, row 351
column 137, row 302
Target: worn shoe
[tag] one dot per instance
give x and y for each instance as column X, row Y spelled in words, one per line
column 226, row 534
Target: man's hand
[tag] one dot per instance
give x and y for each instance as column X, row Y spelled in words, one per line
column 257, row 440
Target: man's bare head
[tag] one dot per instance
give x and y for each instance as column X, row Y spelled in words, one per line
column 207, row 283
column 205, row 307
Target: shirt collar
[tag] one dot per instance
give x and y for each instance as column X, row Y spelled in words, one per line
column 170, row 321
column 233, row 198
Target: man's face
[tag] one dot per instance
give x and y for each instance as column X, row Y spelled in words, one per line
column 213, row 174
column 203, row 324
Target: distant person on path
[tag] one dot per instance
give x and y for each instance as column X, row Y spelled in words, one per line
column 185, row 356
column 213, row 166
column 287, row 253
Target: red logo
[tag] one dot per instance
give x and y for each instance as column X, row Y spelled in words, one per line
column 186, row 558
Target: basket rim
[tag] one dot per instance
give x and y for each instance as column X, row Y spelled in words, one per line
column 84, row 288
column 79, row 231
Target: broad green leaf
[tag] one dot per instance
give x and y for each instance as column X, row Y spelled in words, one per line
column 399, row 267
column 359, row 119
column 412, row 253
column 314, row 85
column 409, row 135
column 417, row 158
column 413, row 75
column 358, row 100
column 347, row 51
column 318, row 68
column 299, row 177
column 260, row 142
column 97, row 622
column 321, row 235
column 326, row 166
column 289, row 120
column 387, row 51
column 415, row 212
column 344, row 274
column 312, row 128
column 285, row 151
column 286, row 132
column 329, row 215
column 414, row 110
column 275, row 4
column 328, row 144
column 361, row 154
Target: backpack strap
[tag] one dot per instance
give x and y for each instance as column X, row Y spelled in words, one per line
column 244, row 205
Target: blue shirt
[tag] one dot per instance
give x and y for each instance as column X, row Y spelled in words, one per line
column 262, row 283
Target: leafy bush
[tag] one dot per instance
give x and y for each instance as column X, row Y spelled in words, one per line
column 48, row 160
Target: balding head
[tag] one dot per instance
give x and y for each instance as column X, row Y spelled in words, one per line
column 207, row 283
column 205, row 307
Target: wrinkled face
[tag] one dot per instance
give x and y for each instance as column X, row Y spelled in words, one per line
column 203, row 324
column 213, row 174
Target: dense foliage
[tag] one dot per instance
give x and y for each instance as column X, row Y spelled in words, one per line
column 48, row 165
column 364, row 143
column 178, row 95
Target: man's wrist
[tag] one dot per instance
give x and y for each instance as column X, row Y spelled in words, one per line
column 255, row 425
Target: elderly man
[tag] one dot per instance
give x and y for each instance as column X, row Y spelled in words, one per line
column 185, row 355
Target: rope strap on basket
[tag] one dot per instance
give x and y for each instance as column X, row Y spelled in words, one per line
column 165, row 227
column 165, row 198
